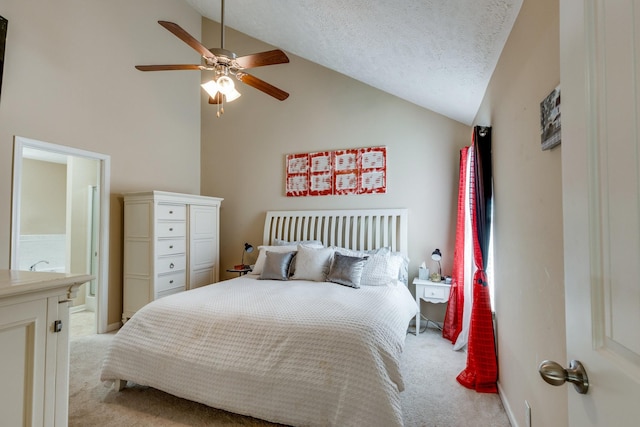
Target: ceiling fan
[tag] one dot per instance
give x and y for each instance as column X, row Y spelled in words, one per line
column 224, row 63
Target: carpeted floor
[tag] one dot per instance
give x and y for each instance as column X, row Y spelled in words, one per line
column 432, row 396
column 82, row 323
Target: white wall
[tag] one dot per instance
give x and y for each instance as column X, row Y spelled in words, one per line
column 69, row 79
column 528, row 245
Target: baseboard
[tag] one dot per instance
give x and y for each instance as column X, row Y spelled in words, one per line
column 507, row 407
column 113, row 327
column 77, row 309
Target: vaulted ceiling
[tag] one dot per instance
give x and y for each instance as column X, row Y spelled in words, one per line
column 438, row 54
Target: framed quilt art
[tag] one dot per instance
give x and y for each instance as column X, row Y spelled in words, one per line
column 339, row 172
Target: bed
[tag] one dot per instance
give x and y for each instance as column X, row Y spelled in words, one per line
column 304, row 351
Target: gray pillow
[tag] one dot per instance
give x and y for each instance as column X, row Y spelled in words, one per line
column 346, row 270
column 276, row 265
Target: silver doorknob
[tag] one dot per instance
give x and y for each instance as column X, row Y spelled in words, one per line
column 555, row 374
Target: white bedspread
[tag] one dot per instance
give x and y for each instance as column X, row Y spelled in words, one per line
column 296, row 352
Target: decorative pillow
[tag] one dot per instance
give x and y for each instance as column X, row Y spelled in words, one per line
column 384, row 267
column 380, row 270
column 312, row 263
column 346, row 270
column 403, row 270
column 361, row 254
column 276, row 265
column 280, row 242
column 257, row 268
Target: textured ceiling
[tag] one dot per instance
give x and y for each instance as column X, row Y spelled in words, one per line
column 438, row 54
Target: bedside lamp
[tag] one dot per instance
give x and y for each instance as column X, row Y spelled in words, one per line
column 437, row 256
column 248, row 249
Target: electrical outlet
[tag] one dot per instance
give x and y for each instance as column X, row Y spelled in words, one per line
column 527, row 414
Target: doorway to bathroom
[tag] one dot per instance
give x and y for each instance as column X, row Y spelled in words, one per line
column 60, row 220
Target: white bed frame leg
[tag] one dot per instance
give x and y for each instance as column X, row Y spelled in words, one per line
column 119, row 385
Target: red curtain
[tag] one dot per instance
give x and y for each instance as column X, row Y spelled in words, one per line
column 481, row 373
column 455, row 307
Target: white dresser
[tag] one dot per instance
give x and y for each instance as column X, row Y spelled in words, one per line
column 34, row 346
column 171, row 244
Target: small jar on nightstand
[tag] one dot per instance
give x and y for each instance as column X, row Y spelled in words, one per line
column 433, row 292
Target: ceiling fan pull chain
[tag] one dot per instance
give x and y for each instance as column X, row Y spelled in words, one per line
column 220, row 107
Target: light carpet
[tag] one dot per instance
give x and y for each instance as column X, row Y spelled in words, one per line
column 432, row 398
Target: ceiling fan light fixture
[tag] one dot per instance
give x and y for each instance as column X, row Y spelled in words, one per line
column 225, row 85
column 232, row 95
column 223, row 62
column 211, row 87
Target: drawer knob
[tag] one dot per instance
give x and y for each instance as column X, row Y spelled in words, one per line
column 171, row 265
column 170, row 212
column 170, row 246
column 170, row 282
column 171, row 229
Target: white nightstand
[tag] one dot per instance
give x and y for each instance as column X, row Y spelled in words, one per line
column 434, row 292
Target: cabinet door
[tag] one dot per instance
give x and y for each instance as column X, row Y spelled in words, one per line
column 23, row 336
column 203, row 245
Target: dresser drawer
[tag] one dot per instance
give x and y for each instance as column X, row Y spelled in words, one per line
column 165, row 211
column 161, row 294
column 171, row 263
column 171, row 229
column 171, row 281
column 435, row 292
column 170, row 246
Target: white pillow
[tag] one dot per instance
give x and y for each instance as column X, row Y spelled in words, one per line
column 280, row 242
column 403, row 267
column 377, row 271
column 312, row 263
column 262, row 255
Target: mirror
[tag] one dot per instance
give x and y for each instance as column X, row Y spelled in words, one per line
column 60, row 217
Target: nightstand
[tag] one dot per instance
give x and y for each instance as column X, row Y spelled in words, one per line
column 433, row 292
column 240, row 271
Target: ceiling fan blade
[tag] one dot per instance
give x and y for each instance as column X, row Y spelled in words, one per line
column 270, row 57
column 169, row 67
column 179, row 32
column 216, row 100
column 262, row 86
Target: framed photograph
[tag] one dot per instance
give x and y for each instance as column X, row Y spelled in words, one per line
column 550, row 120
column 3, row 40
column 373, row 169
column 297, row 175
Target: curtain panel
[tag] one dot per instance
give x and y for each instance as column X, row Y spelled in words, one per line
column 481, row 372
column 453, row 317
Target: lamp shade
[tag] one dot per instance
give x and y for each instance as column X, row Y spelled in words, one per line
column 225, row 84
column 436, row 255
column 211, row 87
column 232, row 95
column 248, row 249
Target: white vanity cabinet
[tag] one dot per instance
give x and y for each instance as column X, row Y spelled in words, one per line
column 171, row 244
column 34, row 346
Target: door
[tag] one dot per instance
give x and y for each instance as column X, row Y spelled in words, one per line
column 599, row 43
column 29, row 148
column 93, row 221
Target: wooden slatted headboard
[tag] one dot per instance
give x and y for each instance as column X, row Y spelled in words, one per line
column 358, row 229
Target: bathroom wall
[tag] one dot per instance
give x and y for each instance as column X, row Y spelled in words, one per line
column 43, row 215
